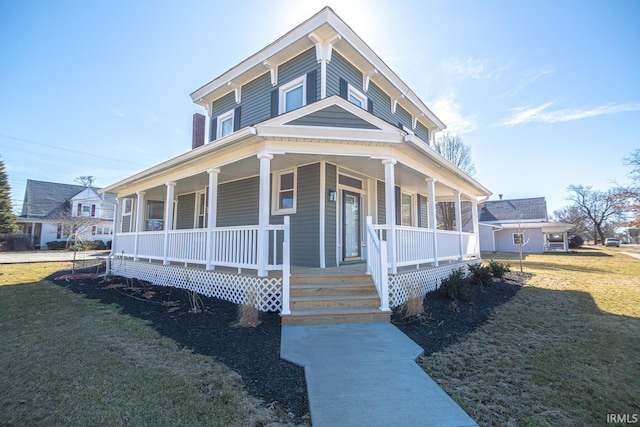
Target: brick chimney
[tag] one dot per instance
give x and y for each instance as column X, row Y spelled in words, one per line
column 197, row 137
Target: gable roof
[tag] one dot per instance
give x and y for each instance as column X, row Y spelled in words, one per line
column 49, row 200
column 326, row 31
column 514, row 210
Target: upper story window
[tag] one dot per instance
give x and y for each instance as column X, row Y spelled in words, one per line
column 225, row 124
column 356, row 97
column 293, row 95
column 86, row 210
column 285, row 193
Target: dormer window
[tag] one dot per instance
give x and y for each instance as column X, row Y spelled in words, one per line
column 293, row 95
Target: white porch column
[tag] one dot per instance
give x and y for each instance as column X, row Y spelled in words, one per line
column 476, row 226
column 212, row 214
column 459, row 223
column 565, row 241
column 433, row 219
column 390, row 209
column 263, row 212
column 168, row 219
column 139, row 223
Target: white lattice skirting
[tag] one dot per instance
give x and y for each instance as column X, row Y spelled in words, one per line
column 420, row 282
column 236, row 288
column 267, row 291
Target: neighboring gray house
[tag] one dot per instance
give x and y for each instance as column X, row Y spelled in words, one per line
column 504, row 223
column 51, row 211
column 313, row 153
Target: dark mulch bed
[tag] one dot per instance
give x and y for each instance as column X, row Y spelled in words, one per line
column 255, row 352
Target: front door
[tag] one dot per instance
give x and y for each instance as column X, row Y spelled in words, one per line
column 350, row 226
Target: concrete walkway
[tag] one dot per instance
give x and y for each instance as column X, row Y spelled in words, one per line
column 366, row 375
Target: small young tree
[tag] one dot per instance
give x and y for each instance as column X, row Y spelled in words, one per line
column 522, row 240
column 8, row 220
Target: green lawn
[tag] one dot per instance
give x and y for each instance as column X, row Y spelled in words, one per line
column 564, row 351
column 69, row 361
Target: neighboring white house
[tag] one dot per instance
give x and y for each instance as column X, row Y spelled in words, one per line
column 506, row 223
column 52, row 211
column 315, row 155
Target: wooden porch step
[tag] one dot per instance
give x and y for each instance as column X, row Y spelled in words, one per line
column 336, row 289
column 334, row 316
column 321, row 302
column 363, row 278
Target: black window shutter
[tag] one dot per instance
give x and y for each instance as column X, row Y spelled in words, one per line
column 213, row 128
column 236, row 119
column 400, row 125
column 344, row 88
column 398, row 206
column 370, row 105
column 275, row 95
column 312, row 91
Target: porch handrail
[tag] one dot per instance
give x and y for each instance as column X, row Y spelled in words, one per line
column 286, row 268
column 377, row 263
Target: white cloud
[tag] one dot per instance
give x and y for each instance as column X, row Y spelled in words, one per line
column 472, row 68
column 449, row 111
column 117, row 112
column 153, row 117
column 523, row 115
column 526, row 80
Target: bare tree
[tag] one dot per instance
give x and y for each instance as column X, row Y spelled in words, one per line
column 87, row 181
column 452, row 148
column 572, row 215
column 601, row 208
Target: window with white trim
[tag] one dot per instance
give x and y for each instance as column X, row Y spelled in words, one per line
column 285, row 193
column 225, row 124
column 293, row 94
column 518, row 238
column 406, row 209
column 356, row 97
column 155, row 215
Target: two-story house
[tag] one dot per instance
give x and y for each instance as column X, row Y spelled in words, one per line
column 314, row 156
column 53, row 212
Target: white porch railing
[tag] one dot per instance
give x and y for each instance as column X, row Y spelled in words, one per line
column 377, row 263
column 235, row 247
column 414, row 245
column 188, row 246
column 448, row 244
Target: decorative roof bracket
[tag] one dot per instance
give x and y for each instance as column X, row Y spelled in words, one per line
column 324, row 47
column 273, row 71
column 238, row 91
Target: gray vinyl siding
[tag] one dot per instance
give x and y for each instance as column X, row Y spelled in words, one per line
column 338, row 68
column 330, row 218
column 382, row 214
column 305, row 223
column 422, row 132
column 255, row 101
column 403, row 117
column 238, row 202
column 299, row 66
column 224, row 104
column 185, row 211
column 333, row 116
column 381, row 104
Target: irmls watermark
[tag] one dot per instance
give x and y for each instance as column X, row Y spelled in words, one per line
column 623, row 418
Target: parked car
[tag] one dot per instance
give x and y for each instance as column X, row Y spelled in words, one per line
column 612, row 241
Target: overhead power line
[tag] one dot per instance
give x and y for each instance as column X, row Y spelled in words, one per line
column 67, row 150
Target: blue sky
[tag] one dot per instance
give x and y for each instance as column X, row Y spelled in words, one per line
column 546, row 93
